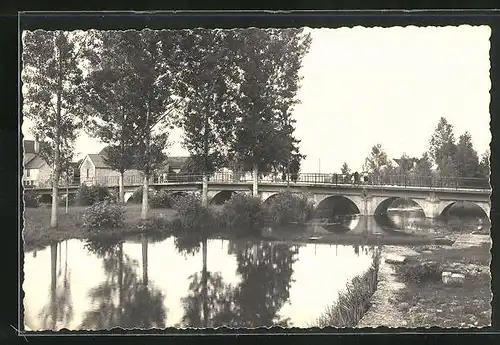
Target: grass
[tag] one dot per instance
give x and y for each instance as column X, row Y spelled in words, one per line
column 431, row 303
column 352, row 303
column 37, row 232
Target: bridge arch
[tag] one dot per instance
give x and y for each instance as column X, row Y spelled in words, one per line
column 445, row 207
column 381, row 208
column 178, row 194
column 221, row 197
column 342, row 204
column 127, row 196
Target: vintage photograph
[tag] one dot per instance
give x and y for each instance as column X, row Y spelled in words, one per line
column 302, row 177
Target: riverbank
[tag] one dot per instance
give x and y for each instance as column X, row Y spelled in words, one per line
column 403, row 302
column 37, row 232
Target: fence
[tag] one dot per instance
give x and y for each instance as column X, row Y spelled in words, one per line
column 430, row 182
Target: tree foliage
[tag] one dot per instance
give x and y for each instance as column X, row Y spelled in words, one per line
column 209, row 87
column 345, row 170
column 377, row 161
column 466, row 159
column 109, row 102
column 52, row 89
column 423, row 166
column 442, row 146
column 484, row 164
column 269, row 84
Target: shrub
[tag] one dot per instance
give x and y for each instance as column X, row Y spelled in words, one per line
column 192, row 215
column 352, row 303
column 154, row 223
column 31, row 199
column 89, row 195
column 103, row 215
column 136, row 197
column 419, row 272
column 160, row 199
column 289, row 208
column 71, row 200
column 243, row 213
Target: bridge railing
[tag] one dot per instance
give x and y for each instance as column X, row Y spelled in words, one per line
column 430, row 182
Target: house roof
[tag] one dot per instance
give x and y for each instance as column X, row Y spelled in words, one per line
column 98, row 161
column 36, row 163
column 28, row 157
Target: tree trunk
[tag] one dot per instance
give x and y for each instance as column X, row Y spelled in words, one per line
column 121, row 188
column 144, row 241
column 53, row 285
column 205, row 283
column 55, row 175
column 255, row 187
column 204, row 190
column 145, row 191
column 120, row 282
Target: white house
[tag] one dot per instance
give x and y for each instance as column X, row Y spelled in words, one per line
column 36, row 171
column 94, row 170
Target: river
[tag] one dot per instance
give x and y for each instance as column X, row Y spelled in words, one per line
column 174, row 282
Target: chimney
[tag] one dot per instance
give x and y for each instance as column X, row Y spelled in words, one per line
column 36, row 146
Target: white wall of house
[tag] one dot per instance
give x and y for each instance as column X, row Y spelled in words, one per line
column 87, row 170
column 109, row 176
column 37, row 177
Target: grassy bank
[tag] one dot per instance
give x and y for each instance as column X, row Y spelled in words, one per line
column 352, row 303
column 426, row 301
column 37, row 232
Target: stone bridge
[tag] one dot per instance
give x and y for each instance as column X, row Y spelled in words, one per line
column 364, row 199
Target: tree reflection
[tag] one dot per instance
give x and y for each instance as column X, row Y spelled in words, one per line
column 123, row 299
column 209, row 301
column 59, row 310
column 266, row 271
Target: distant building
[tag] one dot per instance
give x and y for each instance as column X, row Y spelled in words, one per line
column 94, row 170
column 173, row 165
column 36, row 171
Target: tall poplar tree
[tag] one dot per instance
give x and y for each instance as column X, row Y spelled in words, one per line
column 268, row 63
column 52, row 82
column 442, row 147
column 466, row 159
column 112, row 115
column 208, row 85
column 150, row 61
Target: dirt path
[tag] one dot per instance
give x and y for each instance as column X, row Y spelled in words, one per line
column 383, row 312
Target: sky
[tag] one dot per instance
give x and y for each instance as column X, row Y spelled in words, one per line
column 363, row 86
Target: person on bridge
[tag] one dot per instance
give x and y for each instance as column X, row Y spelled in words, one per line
column 356, row 177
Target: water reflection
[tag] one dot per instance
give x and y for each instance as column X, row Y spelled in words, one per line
column 125, row 283
column 398, row 221
column 59, row 309
column 122, row 299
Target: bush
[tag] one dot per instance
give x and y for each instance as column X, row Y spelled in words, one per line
column 192, row 215
column 289, row 208
column 103, row 215
column 89, row 195
column 243, row 213
column 160, row 199
column 136, row 197
column 71, row 200
column 31, row 199
column 419, row 272
column 154, row 223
